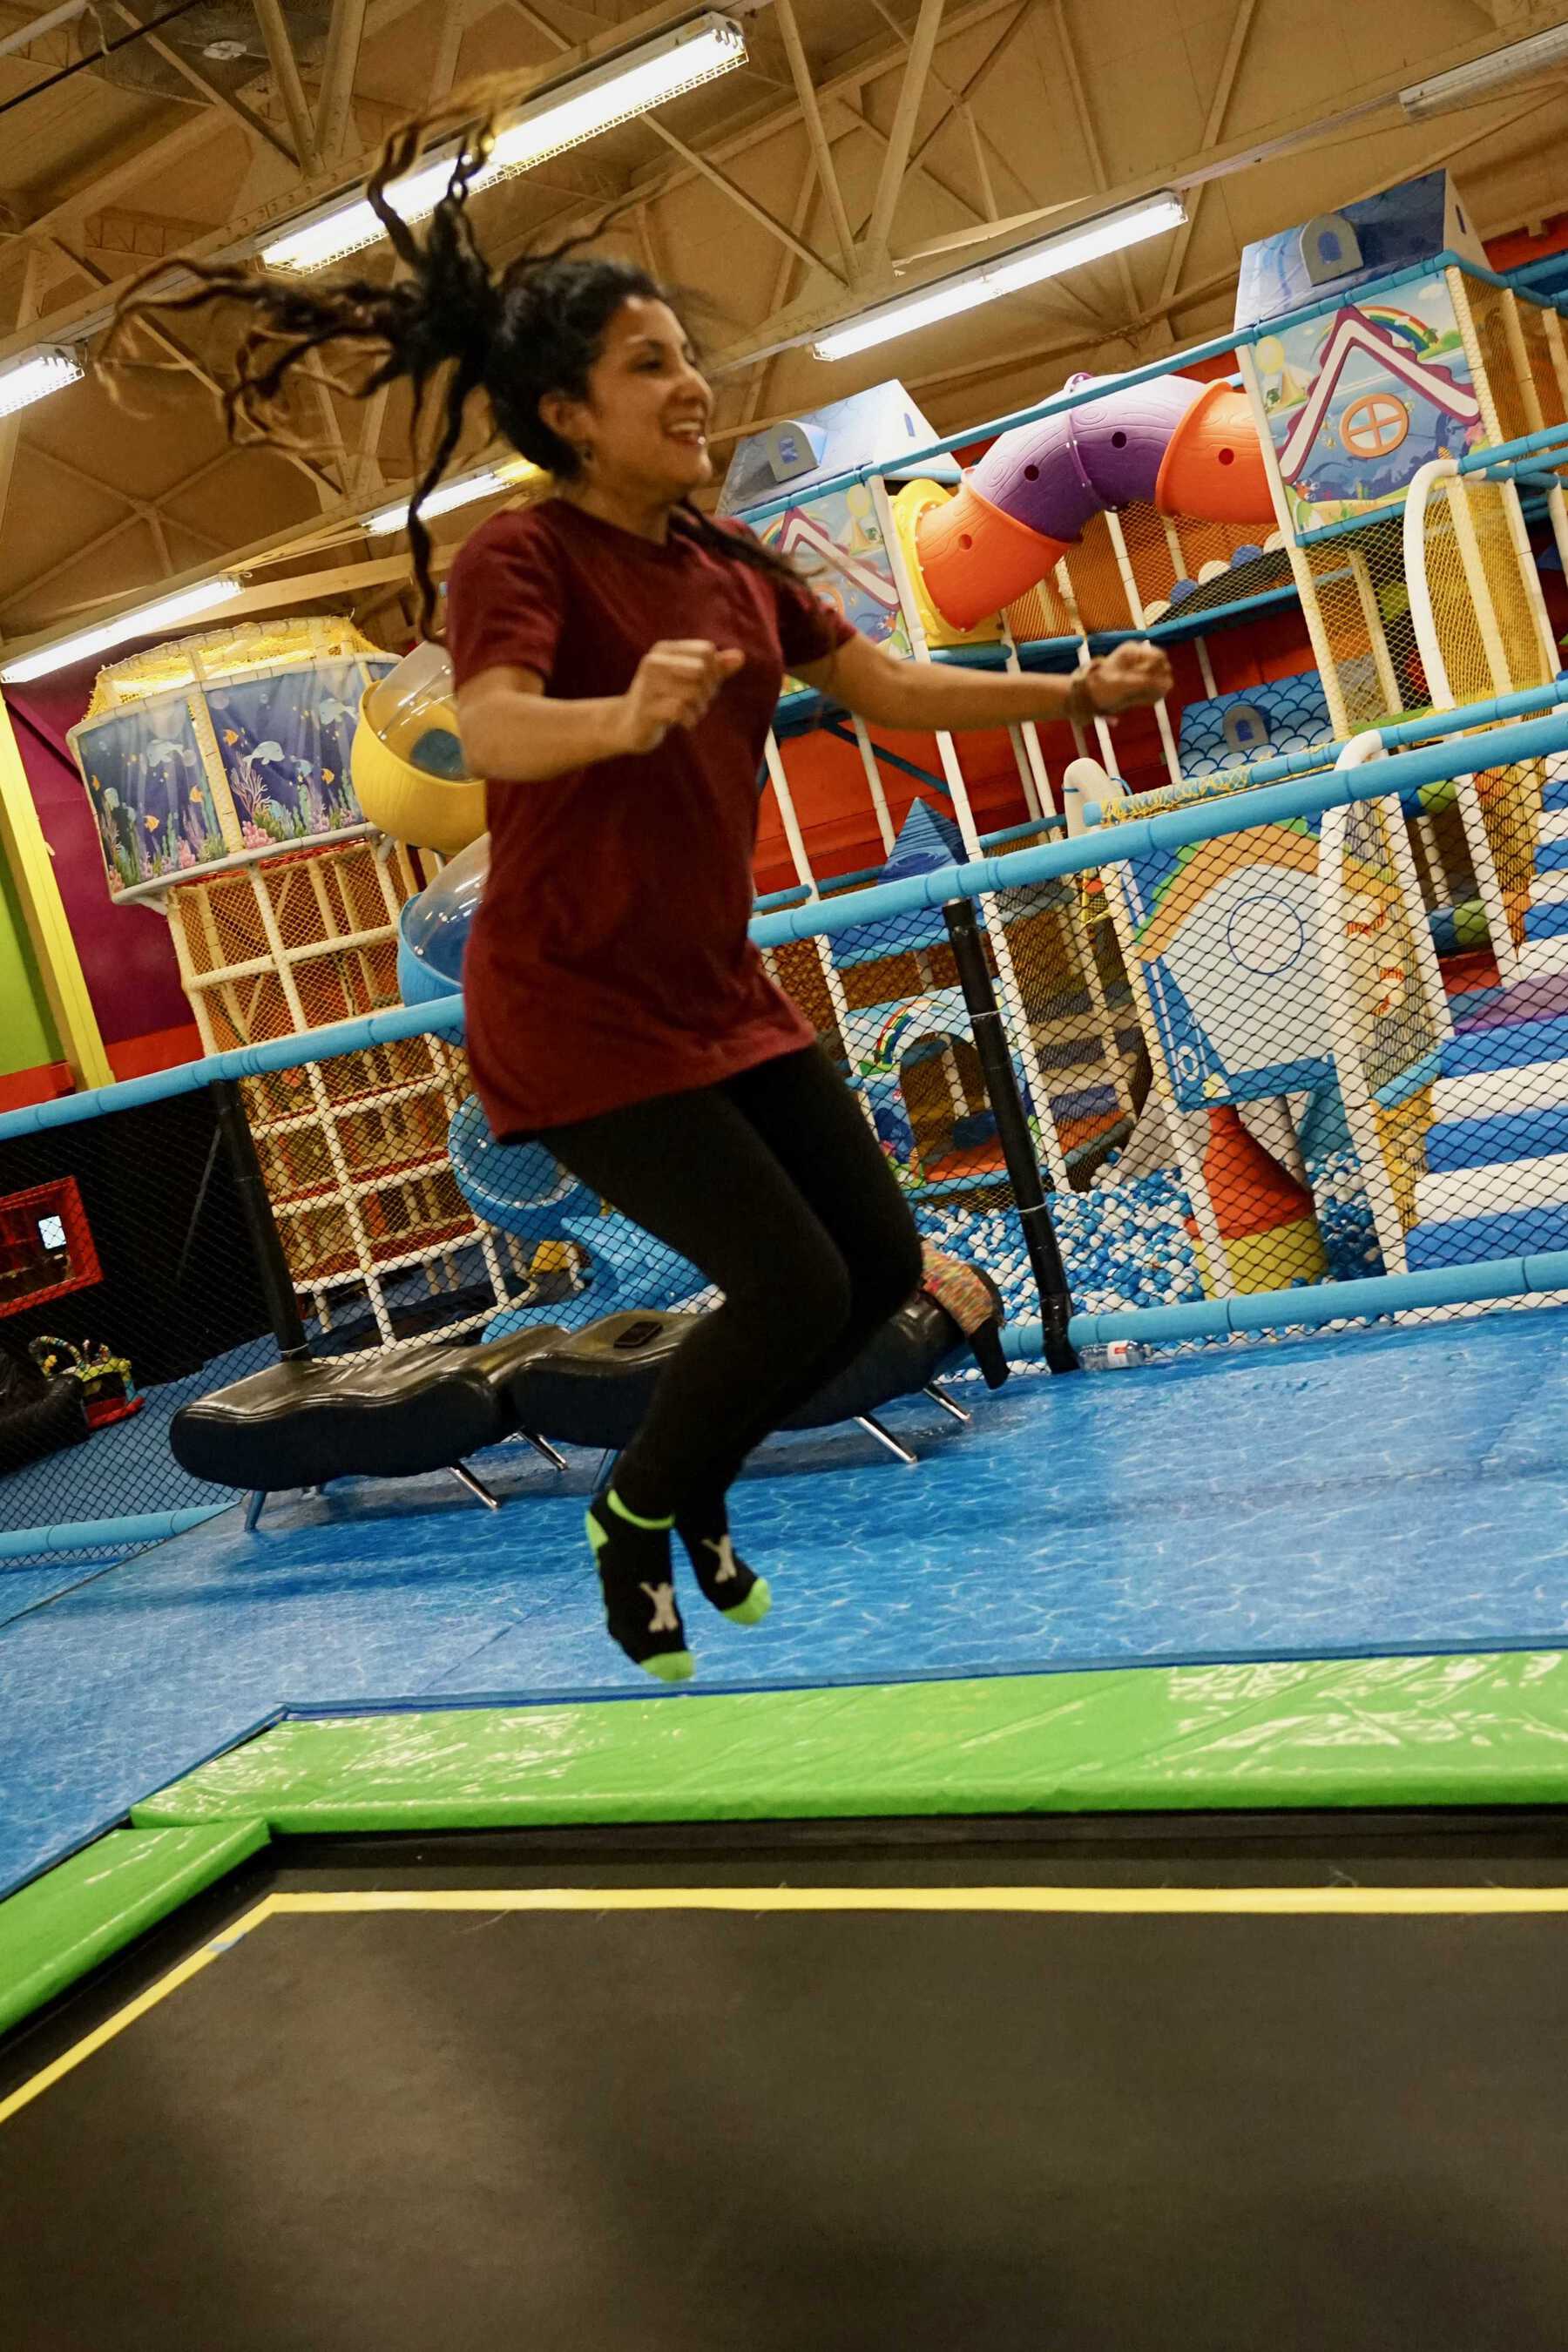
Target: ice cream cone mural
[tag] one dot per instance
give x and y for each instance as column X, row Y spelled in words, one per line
column 1268, row 1227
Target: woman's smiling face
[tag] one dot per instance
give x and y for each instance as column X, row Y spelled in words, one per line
column 643, row 425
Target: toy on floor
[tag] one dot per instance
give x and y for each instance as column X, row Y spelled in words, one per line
column 39, row 1414
column 107, row 1390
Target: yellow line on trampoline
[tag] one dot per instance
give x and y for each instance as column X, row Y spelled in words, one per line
column 1197, row 1902
column 1128, row 1902
column 192, row 1966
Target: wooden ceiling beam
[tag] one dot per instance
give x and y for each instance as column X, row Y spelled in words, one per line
column 901, row 136
column 15, row 592
column 234, row 235
column 1084, row 115
column 152, row 511
column 454, row 23
column 284, row 67
column 1214, row 123
column 748, row 204
column 871, row 62
column 206, row 85
column 817, row 136
column 158, row 157
column 11, row 427
column 756, row 391
column 183, row 357
column 961, row 100
column 339, row 65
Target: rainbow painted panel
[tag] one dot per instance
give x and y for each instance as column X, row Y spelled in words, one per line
column 1358, row 401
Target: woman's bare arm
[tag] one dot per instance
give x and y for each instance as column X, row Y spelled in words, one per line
column 891, row 691
column 514, row 733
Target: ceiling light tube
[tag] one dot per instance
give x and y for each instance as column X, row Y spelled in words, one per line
column 144, row 621
column 1008, row 274
column 1467, row 85
column 493, row 482
column 577, row 110
column 35, row 375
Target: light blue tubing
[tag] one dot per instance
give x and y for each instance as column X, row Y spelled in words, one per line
column 1208, row 820
column 106, row 1535
column 1328, row 1302
column 1526, row 444
column 442, row 1018
column 1517, row 473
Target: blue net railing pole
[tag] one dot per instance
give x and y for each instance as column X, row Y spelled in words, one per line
column 1012, row 1130
column 272, row 1265
column 1207, row 820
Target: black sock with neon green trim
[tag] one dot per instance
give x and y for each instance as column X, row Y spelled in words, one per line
column 632, row 1555
column 736, row 1590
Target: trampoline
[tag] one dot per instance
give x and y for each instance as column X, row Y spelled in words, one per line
column 845, row 2083
column 1214, row 2080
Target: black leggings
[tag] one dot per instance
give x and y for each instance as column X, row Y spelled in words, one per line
column 774, row 1184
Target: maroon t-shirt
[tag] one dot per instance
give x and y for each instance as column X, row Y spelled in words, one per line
column 609, row 960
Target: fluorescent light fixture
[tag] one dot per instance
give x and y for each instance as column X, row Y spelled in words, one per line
column 1008, row 274
column 1466, row 84
column 493, row 482
column 590, row 102
column 35, row 376
column 145, row 621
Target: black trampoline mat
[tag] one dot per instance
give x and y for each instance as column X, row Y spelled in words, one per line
column 966, row 2129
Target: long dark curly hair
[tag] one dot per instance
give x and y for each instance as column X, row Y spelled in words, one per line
column 448, row 323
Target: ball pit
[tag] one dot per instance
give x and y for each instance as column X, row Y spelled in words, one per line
column 1126, row 1245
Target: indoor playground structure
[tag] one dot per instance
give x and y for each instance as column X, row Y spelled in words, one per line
column 1241, row 1062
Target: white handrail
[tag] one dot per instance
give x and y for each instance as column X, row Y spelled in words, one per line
column 1423, row 620
column 1333, row 959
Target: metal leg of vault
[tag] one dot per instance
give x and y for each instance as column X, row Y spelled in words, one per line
column 255, row 1503
column 476, row 1487
column 542, row 1445
column 885, row 1437
column 941, row 1397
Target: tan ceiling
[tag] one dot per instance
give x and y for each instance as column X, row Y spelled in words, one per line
column 1031, row 111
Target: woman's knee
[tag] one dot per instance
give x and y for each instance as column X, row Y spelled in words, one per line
column 885, row 1279
column 805, row 1298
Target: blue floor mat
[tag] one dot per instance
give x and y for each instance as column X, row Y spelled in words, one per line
column 1400, row 1491
column 25, row 1585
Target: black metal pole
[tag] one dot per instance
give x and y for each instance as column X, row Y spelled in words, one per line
column 277, row 1282
column 1013, row 1128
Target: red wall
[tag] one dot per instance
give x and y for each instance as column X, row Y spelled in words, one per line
column 126, row 959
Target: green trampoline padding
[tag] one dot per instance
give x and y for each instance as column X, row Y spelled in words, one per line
column 1475, row 1730
column 90, row 1906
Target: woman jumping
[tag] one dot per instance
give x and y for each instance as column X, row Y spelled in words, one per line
column 618, row 655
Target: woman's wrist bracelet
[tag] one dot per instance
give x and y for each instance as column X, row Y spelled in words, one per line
column 1081, row 706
